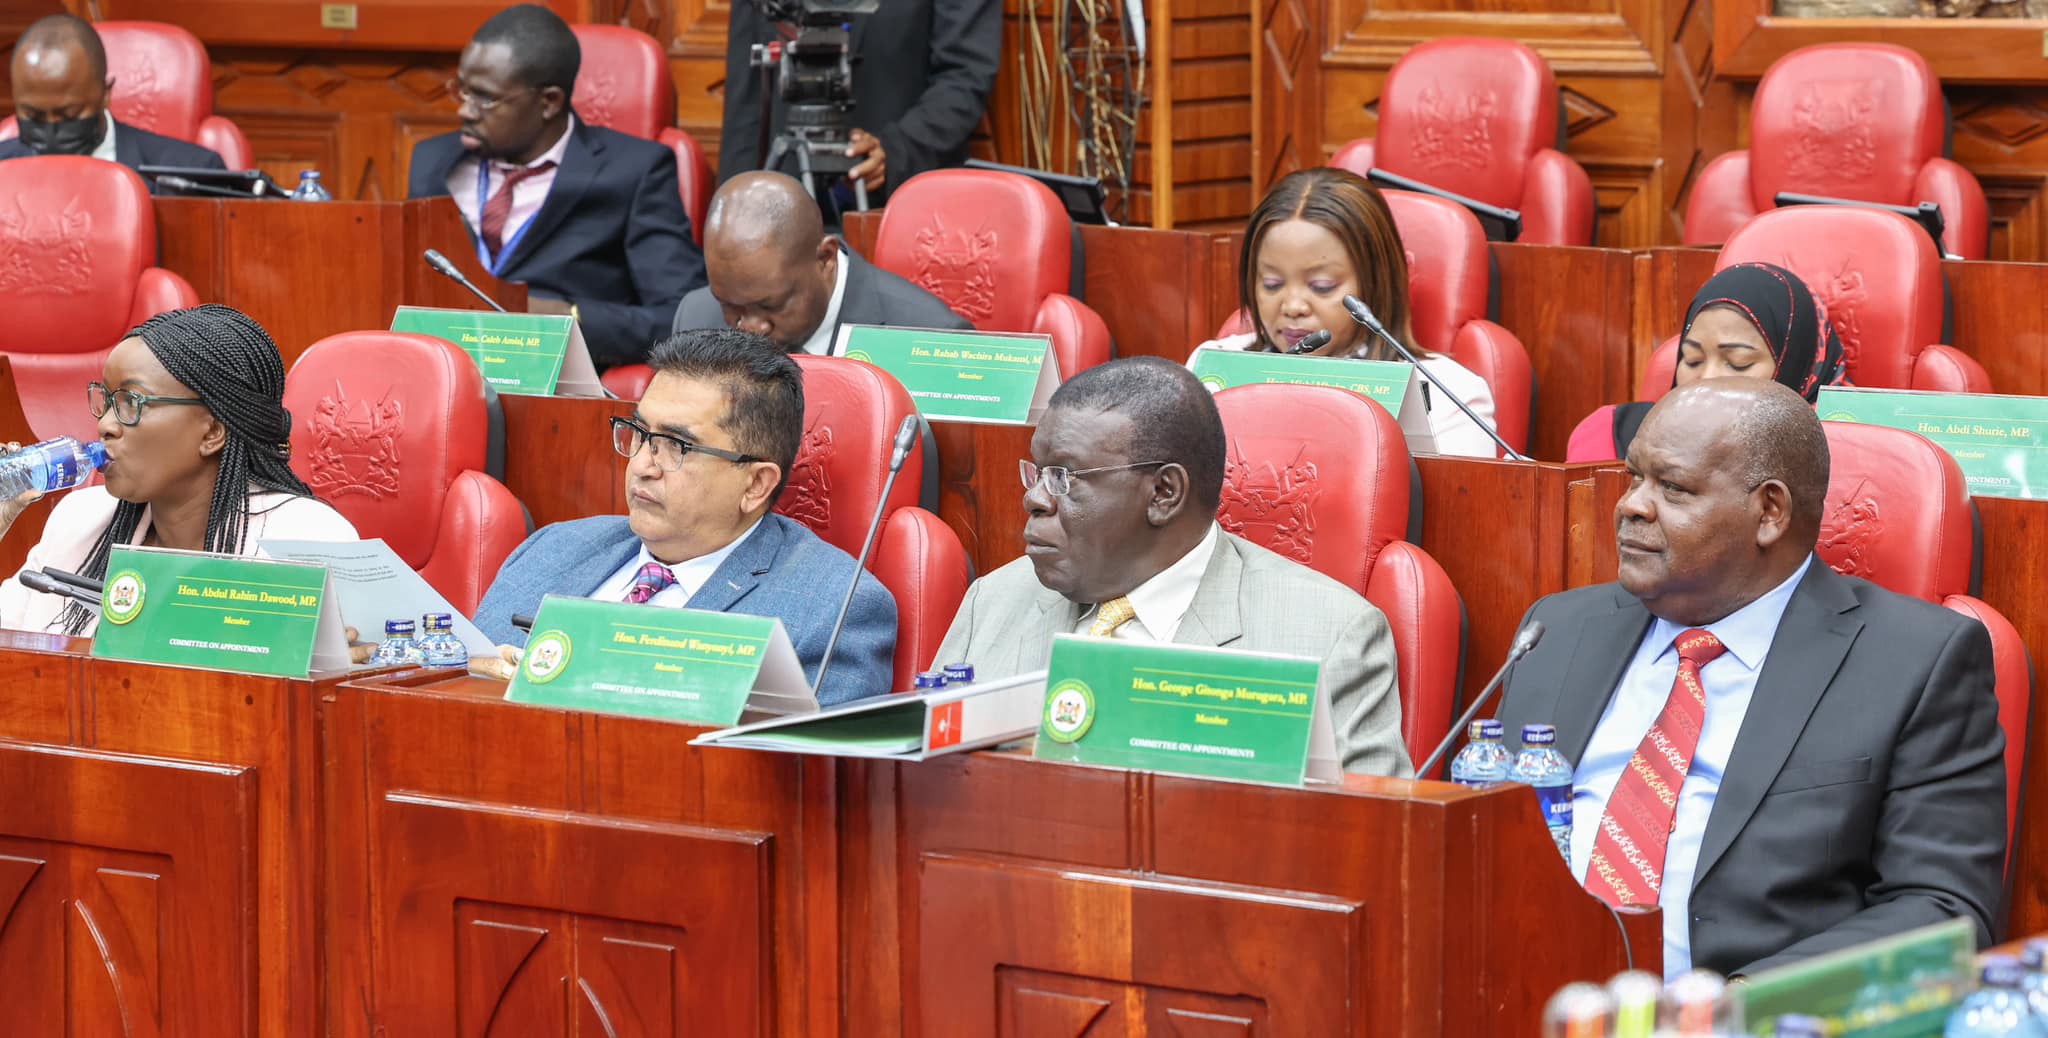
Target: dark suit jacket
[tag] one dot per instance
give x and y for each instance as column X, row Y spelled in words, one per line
column 612, row 236
column 873, row 296
column 922, row 73
column 1865, row 794
column 781, row 569
column 136, row 147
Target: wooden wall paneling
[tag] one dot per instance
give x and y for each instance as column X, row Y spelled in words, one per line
column 980, row 495
column 559, row 460
column 388, row 25
column 694, row 33
column 1288, row 93
column 2001, row 134
column 1572, row 310
column 2015, row 538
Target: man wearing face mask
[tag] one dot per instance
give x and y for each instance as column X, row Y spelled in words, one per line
column 591, row 220
column 61, row 93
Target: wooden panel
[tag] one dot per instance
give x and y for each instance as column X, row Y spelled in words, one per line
column 1039, row 899
column 1571, row 309
column 381, row 24
column 559, row 460
column 2015, row 548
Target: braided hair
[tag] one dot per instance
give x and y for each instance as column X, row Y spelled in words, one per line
column 232, row 364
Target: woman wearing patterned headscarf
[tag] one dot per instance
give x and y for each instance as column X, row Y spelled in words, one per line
column 191, row 410
column 1754, row 320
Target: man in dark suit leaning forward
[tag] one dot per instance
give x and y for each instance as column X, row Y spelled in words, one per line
column 1787, row 760
column 591, row 220
column 775, row 272
column 61, row 98
column 1122, row 487
column 707, row 450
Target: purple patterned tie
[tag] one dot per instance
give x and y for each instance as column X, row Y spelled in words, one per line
column 653, row 579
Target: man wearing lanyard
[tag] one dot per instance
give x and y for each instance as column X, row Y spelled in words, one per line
column 590, row 220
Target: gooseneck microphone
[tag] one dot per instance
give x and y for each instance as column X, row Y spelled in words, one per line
column 1311, row 342
column 36, row 580
column 899, row 451
column 1363, row 315
column 1525, row 639
column 188, row 186
column 442, row 266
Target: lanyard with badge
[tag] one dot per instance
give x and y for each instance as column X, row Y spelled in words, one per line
column 510, row 245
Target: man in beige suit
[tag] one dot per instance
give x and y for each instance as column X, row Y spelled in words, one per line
column 1125, row 476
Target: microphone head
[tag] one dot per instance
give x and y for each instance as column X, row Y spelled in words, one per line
column 440, row 263
column 1312, row 342
column 1360, row 312
column 1526, row 639
column 906, row 438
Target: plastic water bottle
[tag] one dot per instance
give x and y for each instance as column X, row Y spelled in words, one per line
column 309, row 189
column 58, row 464
column 1799, row 1025
column 398, row 647
column 2034, row 959
column 1998, row 1009
column 1697, row 1005
column 1635, row 994
column 1578, row 1010
column 439, row 647
column 1540, row 765
column 1483, row 760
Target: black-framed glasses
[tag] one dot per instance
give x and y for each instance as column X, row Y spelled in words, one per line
column 127, row 404
column 1059, row 479
column 464, row 95
column 628, row 436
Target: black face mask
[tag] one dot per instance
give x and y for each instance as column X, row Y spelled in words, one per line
column 66, row 136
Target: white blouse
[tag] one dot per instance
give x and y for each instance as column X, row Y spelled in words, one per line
column 82, row 515
column 1454, row 432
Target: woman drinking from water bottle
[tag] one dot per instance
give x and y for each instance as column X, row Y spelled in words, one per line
column 197, row 439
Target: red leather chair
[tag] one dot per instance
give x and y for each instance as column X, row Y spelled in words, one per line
column 389, row 428
column 77, row 272
column 1878, row 278
column 1846, row 120
column 163, row 83
column 851, row 412
column 1320, row 476
column 1899, row 515
column 624, row 85
column 1450, row 282
column 998, row 248
column 1478, row 116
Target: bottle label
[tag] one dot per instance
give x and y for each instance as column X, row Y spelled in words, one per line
column 60, row 471
column 1557, row 804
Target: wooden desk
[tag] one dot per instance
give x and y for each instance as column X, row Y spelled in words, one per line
column 492, row 860
column 157, row 847
column 305, row 271
column 1003, row 895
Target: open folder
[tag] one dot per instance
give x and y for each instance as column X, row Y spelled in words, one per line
column 902, row 727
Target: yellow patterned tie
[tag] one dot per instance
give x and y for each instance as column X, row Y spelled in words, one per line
column 1114, row 614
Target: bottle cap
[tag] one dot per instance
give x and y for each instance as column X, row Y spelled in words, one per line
column 1487, row 728
column 395, row 627
column 2002, row 971
column 1538, row 735
column 959, row 673
column 437, row 621
column 1799, row 1025
column 2035, row 954
column 931, row 679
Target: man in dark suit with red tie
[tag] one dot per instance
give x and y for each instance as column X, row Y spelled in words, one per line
column 1786, row 760
column 590, row 219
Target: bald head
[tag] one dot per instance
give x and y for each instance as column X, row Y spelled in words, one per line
column 771, row 266
column 60, row 86
column 1771, row 433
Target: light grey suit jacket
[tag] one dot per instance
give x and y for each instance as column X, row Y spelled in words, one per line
column 1249, row 599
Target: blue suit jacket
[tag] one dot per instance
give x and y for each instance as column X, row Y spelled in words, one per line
column 612, row 236
column 781, row 569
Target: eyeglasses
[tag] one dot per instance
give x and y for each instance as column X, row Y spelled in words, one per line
column 628, row 436
column 127, row 403
column 483, row 103
column 1059, row 479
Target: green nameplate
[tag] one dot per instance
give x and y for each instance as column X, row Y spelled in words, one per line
column 2001, row 442
column 220, row 612
column 1189, row 709
column 961, row 376
column 524, row 354
column 1392, row 384
column 1897, row 987
column 649, row 661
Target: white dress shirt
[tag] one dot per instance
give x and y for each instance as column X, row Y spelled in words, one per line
column 820, row 342
column 1730, row 681
column 1454, row 433
column 105, row 150
column 527, row 196
column 1162, row 601
column 690, row 575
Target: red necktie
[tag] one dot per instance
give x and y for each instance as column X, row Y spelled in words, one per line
column 499, row 208
column 1627, row 867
